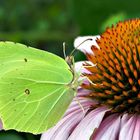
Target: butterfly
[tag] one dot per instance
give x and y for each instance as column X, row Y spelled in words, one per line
column 35, row 88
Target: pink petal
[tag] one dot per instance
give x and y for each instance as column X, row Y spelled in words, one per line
column 87, row 126
column 75, row 105
column 83, row 92
column 124, row 119
column 128, row 129
column 109, row 128
column 86, row 46
column 72, row 117
column 64, row 128
column 136, row 135
column 80, row 68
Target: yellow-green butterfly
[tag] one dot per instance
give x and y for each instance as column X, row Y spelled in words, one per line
column 35, row 88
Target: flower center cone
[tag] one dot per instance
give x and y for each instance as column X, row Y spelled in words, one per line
column 115, row 80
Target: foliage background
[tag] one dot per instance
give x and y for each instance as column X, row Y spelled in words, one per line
column 46, row 24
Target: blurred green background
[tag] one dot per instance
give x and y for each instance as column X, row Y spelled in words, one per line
column 46, row 24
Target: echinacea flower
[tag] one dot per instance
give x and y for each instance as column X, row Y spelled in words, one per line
column 111, row 96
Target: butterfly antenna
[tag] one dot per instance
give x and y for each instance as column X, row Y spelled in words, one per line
column 89, row 39
column 64, row 49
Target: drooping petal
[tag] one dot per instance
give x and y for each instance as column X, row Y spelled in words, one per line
column 87, row 126
column 124, row 119
column 109, row 128
column 80, row 68
column 83, row 92
column 127, row 130
column 79, row 103
column 71, row 119
column 136, row 135
column 64, row 128
column 86, row 46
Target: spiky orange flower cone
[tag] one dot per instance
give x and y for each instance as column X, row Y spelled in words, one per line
column 115, row 80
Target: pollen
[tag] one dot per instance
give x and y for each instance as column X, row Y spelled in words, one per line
column 115, row 79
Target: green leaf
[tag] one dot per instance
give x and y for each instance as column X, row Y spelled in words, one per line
column 35, row 88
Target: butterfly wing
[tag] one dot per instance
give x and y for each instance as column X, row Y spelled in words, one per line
column 34, row 88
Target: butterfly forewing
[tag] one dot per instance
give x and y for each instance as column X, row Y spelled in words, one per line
column 34, row 87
